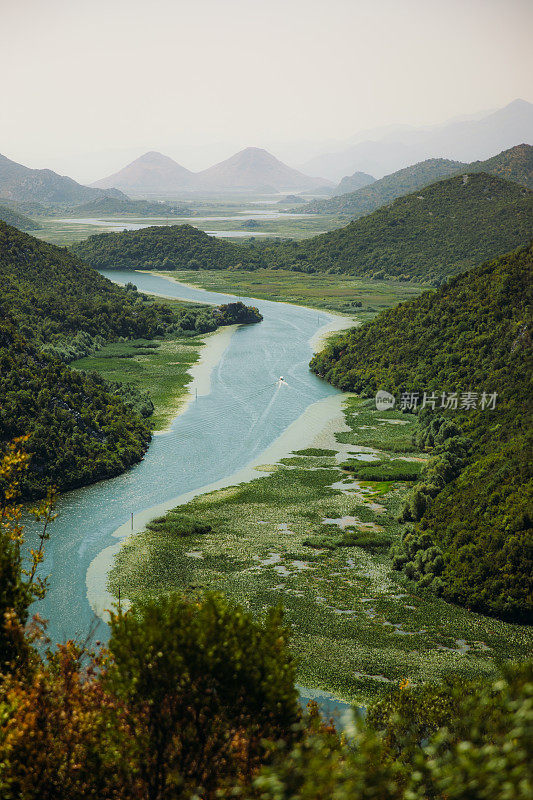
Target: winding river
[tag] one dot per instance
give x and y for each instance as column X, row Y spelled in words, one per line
column 218, row 434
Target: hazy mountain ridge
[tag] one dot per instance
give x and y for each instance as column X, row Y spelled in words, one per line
column 152, row 172
column 22, row 184
column 459, row 140
column 351, row 183
column 515, row 164
column 252, row 168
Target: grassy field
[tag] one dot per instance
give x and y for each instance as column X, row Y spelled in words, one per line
column 158, row 366
column 315, row 538
column 334, row 292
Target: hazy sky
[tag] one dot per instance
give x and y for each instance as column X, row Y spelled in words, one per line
column 89, row 84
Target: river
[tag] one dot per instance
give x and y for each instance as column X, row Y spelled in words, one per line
column 217, row 435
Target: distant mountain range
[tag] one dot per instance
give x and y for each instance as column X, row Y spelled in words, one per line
column 22, row 184
column 515, row 165
column 250, row 169
column 459, row 140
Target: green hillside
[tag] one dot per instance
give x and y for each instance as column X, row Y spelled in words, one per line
column 53, row 296
column 515, row 164
column 79, row 432
column 170, row 247
column 363, row 200
column 439, row 231
column 448, row 227
column 20, row 221
column 472, row 535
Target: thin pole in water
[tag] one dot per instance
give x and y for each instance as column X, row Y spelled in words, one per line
column 196, row 393
column 132, row 520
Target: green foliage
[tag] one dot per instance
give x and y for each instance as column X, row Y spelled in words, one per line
column 79, row 431
column 58, row 301
column 390, row 470
column 473, row 503
column 202, row 679
column 449, row 741
column 166, row 248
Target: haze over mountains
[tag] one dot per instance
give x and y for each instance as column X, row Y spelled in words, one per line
column 250, row 169
column 460, row 140
column 515, row 164
column 22, row 184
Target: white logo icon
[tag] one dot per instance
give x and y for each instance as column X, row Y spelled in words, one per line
column 384, row 400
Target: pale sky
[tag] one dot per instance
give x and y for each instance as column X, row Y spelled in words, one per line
column 90, row 84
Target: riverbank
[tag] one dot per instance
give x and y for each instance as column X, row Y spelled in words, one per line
column 173, row 370
column 295, row 528
column 341, row 294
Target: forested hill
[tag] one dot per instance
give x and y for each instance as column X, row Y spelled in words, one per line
column 430, row 234
column 78, row 431
column 515, row 164
column 436, row 232
column 472, row 515
column 20, row 221
column 164, row 247
column 362, row 200
column 52, row 295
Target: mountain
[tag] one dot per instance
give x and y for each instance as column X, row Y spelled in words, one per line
column 351, row 183
column 23, row 184
column 459, row 140
column 385, row 190
column 515, row 165
column 20, row 221
column 152, row 173
column 471, row 537
column 438, row 231
column 254, row 168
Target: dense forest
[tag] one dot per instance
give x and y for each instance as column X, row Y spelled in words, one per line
column 169, row 247
column 54, row 309
column 197, row 699
column 439, row 231
column 79, row 430
column 451, row 226
column 471, row 535
column 515, row 164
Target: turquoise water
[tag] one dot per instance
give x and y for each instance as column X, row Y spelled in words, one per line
column 218, row 434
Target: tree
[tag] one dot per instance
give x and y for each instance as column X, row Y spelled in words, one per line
column 204, row 685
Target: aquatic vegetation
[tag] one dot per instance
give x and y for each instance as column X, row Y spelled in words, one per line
column 355, row 622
